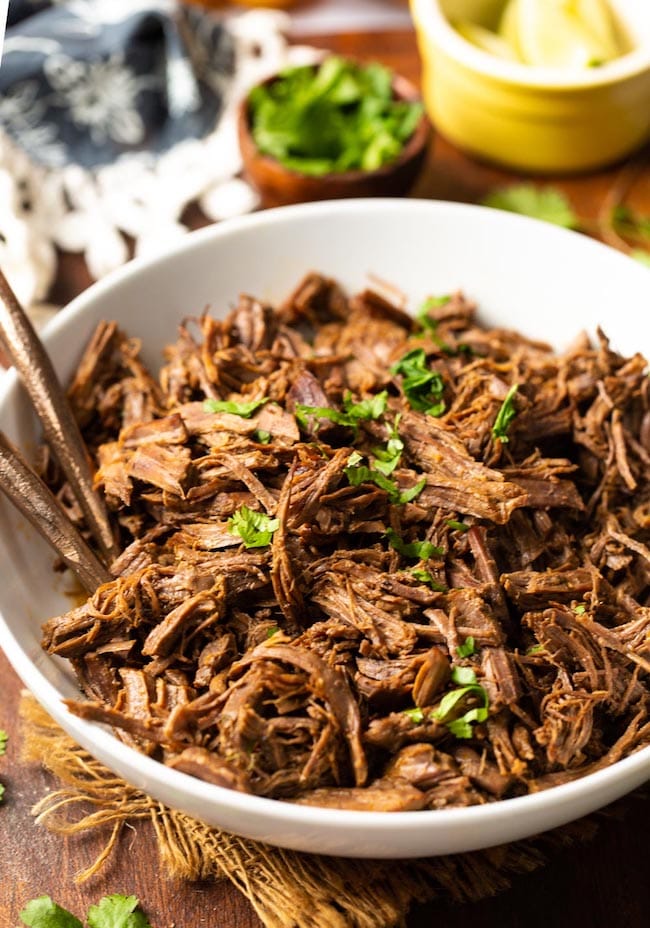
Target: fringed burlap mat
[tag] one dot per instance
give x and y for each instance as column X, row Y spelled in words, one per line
column 286, row 889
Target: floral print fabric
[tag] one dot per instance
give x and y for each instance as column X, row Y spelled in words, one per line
column 86, row 80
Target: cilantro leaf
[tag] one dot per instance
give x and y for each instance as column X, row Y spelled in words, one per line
column 371, row 408
column 349, row 416
column 629, row 223
column 467, row 647
column 245, row 410
column 424, row 576
column 254, row 528
column 337, row 116
column 358, row 473
column 545, row 203
column 505, row 415
column 262, row 436
column 117, row 911
column 460, row 726
column 580, row 609
column 407, row 496
column 423, row 388
column 463, row 676
column 535, row 649
column 4, row 737
column 458, row 526
column 44, row 913
column 639, row 255
column 415, row 715
column 387, row 459
column 416, row 549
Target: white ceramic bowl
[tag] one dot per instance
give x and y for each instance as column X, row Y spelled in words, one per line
column 547, row 282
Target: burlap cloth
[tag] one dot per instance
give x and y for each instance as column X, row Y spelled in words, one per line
column 287, row 889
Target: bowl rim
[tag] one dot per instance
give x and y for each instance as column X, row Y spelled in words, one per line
column 412, row 148
column 144, row 769
column 434, row 24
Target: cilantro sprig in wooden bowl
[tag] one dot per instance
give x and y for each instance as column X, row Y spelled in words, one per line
column 332, row 130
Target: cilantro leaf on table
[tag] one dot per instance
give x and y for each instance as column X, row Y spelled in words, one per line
column 117, row 911
column 43, row 912
column 245, row 410
column 545, row 203
column 254, row 528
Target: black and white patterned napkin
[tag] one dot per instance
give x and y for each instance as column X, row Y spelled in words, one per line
column 85, row 81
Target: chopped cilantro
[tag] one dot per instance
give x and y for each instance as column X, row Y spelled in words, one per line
column 387, row 459
column 467, row 647
column 261, row 436
column 4, row 737
column 416, row 549
column 349, row 416
column 254, row 528
column 407, row 496
column 358, row 473
column 337, row 116
column 270, row 632
column 245, row 410
column 425, row 577
column 430, row 326
column 463, row 676
column 535, row 649
column 505, row 415
column 639, row 255
column 545, row 203
column 580, row 609
column 461, row 727
column 423, row 388
column 415, row 715
column 629, row 223
column 458, row 526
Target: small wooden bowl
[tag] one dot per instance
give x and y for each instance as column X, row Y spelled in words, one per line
column 279, row 186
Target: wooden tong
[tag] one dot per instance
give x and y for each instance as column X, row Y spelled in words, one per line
column 18, row 480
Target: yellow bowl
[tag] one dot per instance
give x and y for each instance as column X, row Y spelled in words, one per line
column 530, row 118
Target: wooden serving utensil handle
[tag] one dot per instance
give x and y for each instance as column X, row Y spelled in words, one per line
column 29, row 494
column 32, row 362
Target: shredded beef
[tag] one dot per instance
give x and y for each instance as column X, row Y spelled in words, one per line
column 442, row 613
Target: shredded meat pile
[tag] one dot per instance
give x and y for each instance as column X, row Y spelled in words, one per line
column 440, row 605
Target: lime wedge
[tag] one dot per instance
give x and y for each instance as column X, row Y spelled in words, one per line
column 597, row 16
column 509, row 27
column 553, row 35
column 485, row 40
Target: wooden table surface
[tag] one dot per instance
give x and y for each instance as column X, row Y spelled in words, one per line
column 603, row 884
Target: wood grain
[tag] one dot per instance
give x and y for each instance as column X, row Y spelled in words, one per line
column 601, row 885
